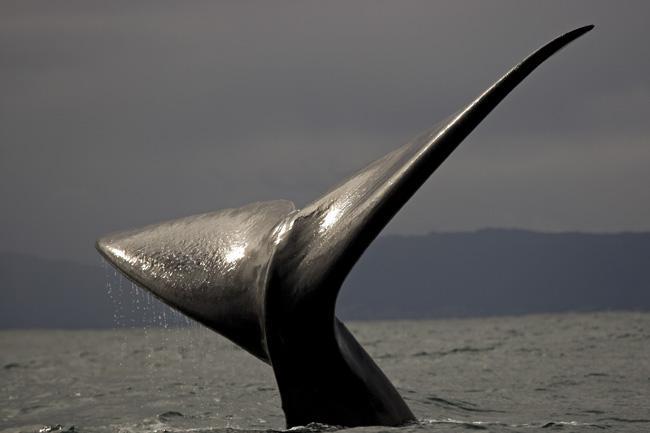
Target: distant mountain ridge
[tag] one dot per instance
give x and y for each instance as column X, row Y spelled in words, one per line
column 461, row 274
column 499, row 272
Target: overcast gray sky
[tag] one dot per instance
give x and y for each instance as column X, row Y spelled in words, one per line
column 119, row 114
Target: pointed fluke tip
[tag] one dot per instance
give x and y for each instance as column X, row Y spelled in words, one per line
column 562, row 40
column 574, row 34
column 101, row 245
column 584, row 29
column 111, row 251
column 580, row 31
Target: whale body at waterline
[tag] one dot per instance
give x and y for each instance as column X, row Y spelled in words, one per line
column 267, row 275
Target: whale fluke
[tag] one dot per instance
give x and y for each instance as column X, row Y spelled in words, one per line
column 210, row 266
column 267, row 276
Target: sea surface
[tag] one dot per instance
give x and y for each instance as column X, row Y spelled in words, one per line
column 568, row 372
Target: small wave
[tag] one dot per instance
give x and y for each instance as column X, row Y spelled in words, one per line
column 484, row 425
column 161, row 427
column 315, row 427
column 627, row 420
column 58, row 428
column 169, row 415
column 564, row 382
column 561, row 424
column 460, row 404
column 454, row 351
column 596, row 374
column 467, row 349
column 474, row 425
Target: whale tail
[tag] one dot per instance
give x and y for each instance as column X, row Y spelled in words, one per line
column 267, row 276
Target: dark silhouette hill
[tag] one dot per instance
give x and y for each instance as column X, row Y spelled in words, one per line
column 498, row 272
column 487, row 272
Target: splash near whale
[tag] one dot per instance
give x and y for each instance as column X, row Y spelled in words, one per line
column 267, row 275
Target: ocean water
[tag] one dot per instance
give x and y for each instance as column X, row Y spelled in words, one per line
column 568, row 372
